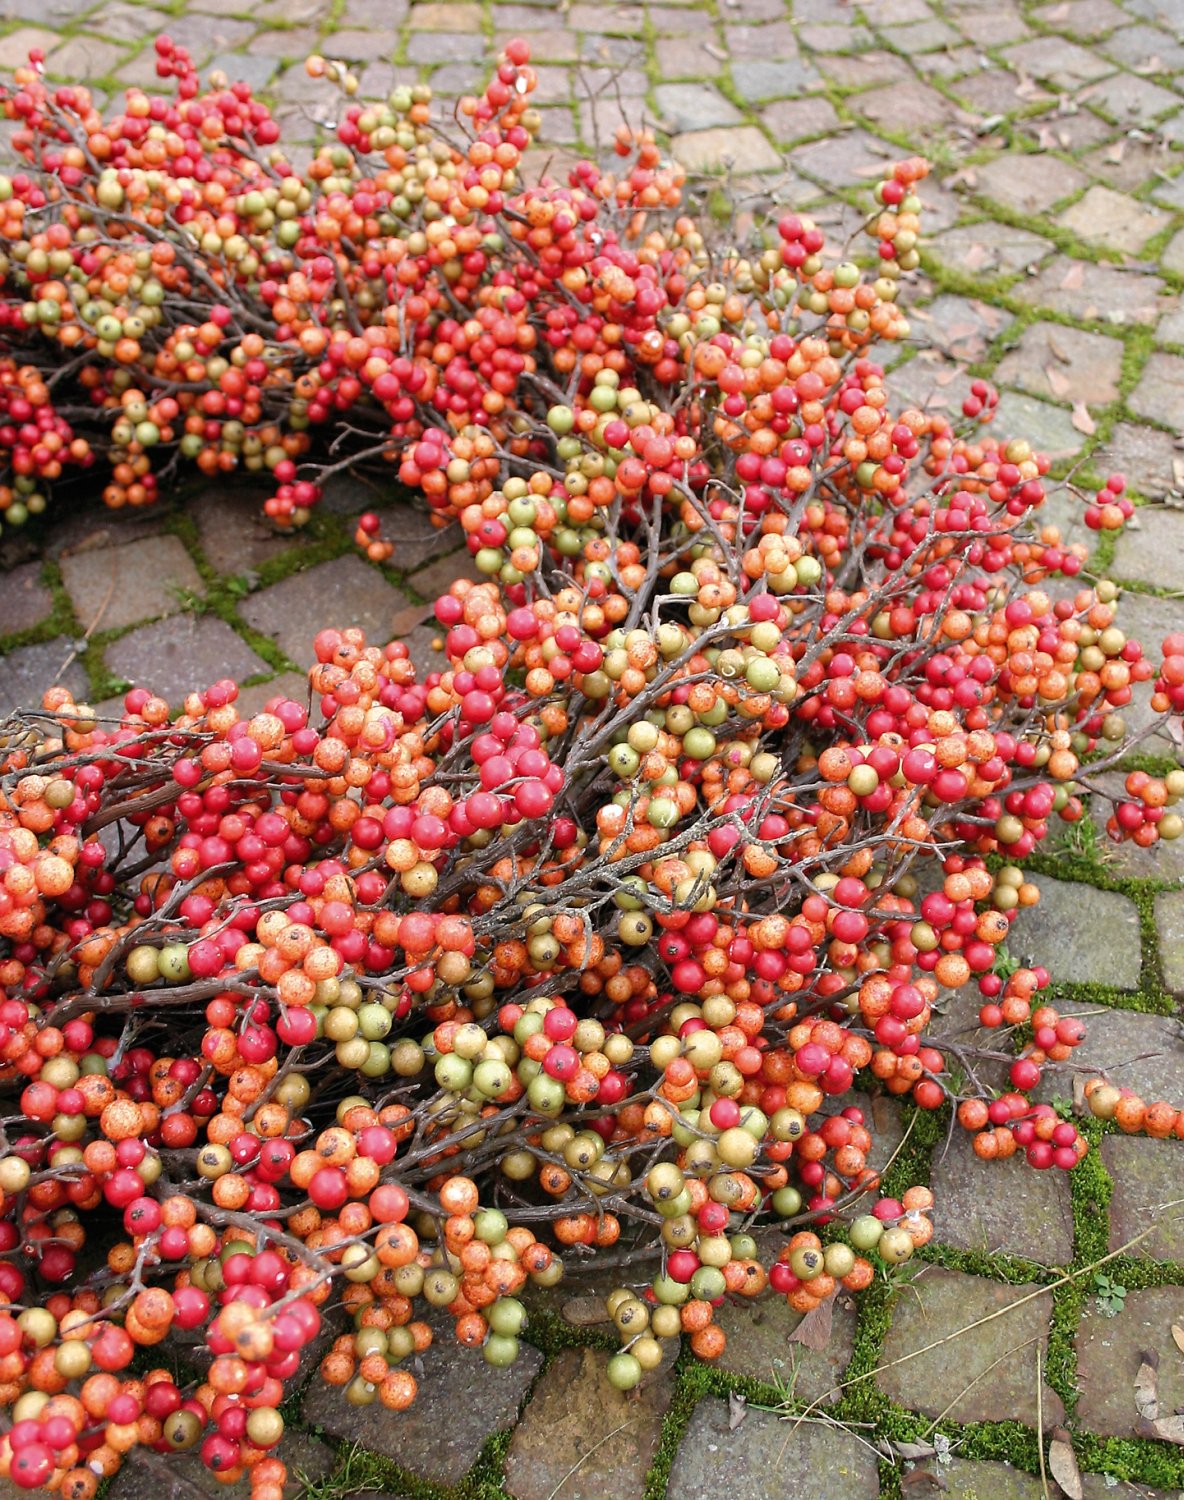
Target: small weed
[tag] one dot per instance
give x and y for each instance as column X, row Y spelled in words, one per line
column 1109, row 1295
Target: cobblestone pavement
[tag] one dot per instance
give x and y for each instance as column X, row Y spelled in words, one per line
column 1055, row 263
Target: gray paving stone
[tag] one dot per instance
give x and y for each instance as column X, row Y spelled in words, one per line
column 1129, row 100
column 990, row 248
column 1106, row 218
column 843, row 160
column 745, row 149
column 1159, row 394
column 1000, row 1205
column 961, row 327
column 806, row 1461
column 235, row 535
column 1169, row 924
column 181, row 655
column 1146, row 1178
column 685, row 57
column 444, row 47
column 1029, row 192
column 1148, row 619
column 1064, row 364
column 24, row 599
column 971, row 1376
column 444, row 17
column 1137, row 46
column 462, row 1401
column 793, row 119
column 859, row 70
column 757, row 81
column 1048, row 428
column 1150, row 547
column 758, row 1345
column 911, row 107
column 1080, row 934
column 1061, row 63
column 1089, row 289
column 692, row 106
column 344, row 592
column 963, row 1479
column 28, row 671
column 1109, row 1351
column 16, row 46
column 84, row 57
column 552, row 1449
column 991, row 25
column 114, row 586
column 770, row 42
column 1146, row 456
column 1086, row 18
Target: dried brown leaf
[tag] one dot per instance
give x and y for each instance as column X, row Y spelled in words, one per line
column 1081, row 419
column 737, row 1409
column 1057, row 383
column 1062, row 1464
column 914, row 1450
column 1057, row 349
column 1073, row 277
column 923, row 1481
column 1166, row 1429
column 1147, row 1386
column 1178, row 1336
column 1115, row 154
column 813, row 1332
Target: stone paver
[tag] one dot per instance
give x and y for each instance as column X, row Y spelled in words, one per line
column 29, row 670
column 1146, row 1178
column 181, row 654
column 1169, row 923
column 1000, row 1205
column 1151, row 548
column 553, row 1449
column 24, row 599
column 344, row 592
column 766, row 1457
column 1081, row 934
column 1135, row 1051
column 988, row 1375
column 1159, row 394
column 1064, row 364
column 462, row 1401
column 115, row 586
column 1113, row 221
column 759, row 1345
column 1109, row 1351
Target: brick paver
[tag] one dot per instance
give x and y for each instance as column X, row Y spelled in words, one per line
column 1054, row 260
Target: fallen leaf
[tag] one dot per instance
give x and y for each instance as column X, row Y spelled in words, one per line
column 1176, row 730
column 923, row 1481
column 1166, row 1429
column 1057, row 383
column 1178, row 1336
column 1058, row 349
column 975, row 257
column 1062, row 1464
column 737, row 1409
column 1057, row 14
column 914, row 1450
column 1153, row 65
column 1178, row 473
column 1073, row 277
column 1081, row 419
column 1147, row 1386
column 1116, row 153
column 813, row 1332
